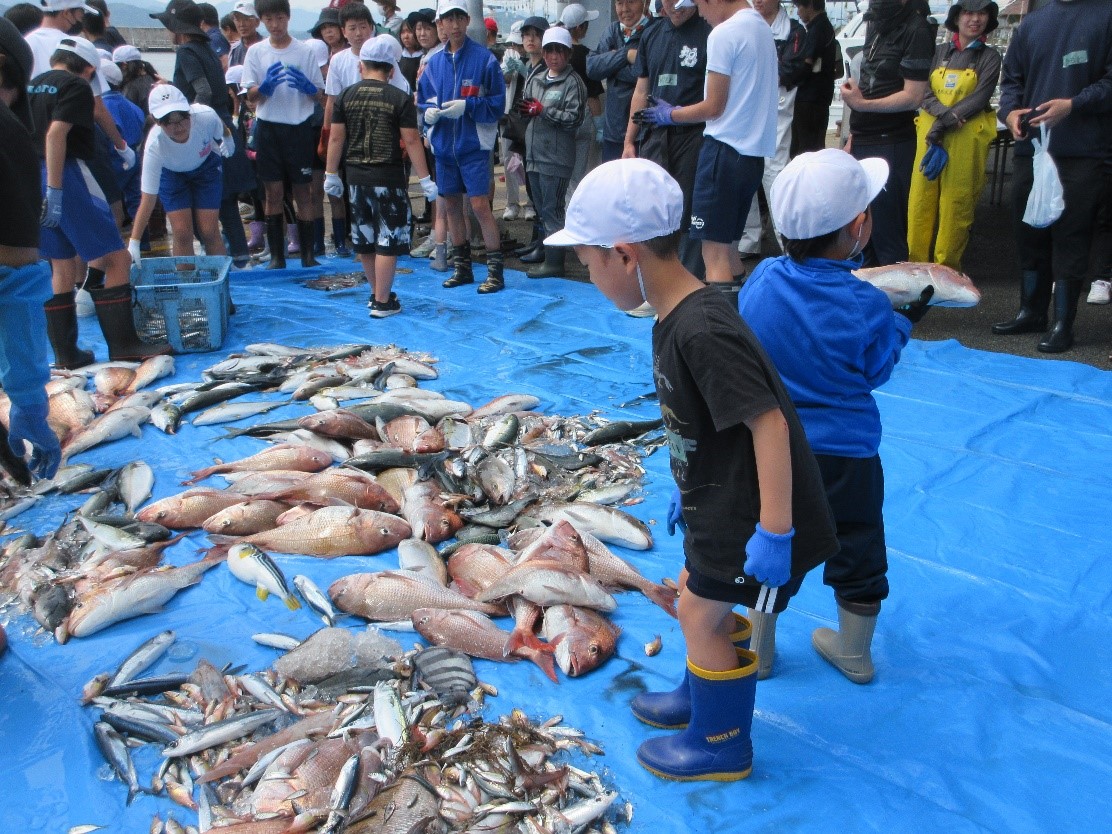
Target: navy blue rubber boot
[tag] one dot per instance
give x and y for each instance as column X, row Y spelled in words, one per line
column 672, row 710
column 716, row 745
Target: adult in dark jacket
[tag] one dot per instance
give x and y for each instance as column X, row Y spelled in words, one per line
column 198, row 74
column 1058, row 76
column 895, row 66
column 816, row 89
column 612, row 62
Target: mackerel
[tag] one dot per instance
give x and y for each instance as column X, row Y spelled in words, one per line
column 219, row 733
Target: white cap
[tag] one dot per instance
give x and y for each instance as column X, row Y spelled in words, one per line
column 820, row 192
column 558, row 35
column 684, row 4
column 62, row 5
column 451, row 6
column 234, row 75
column 165, row 99
column 125, row 53
column 378, row 51
column 575, row 15
column 104, row 54
column 515, row 32
column 623, row 201
column 111, row 73
column 82, row 48
column 245, row 8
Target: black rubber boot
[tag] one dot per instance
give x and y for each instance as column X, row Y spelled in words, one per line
column 538, row 239
column 94, row 278
column 495, row 280
column 1060, row 338
column 276, row 240
column 553, row 266
column 339, row 237
column 1034, row 298
column 318, row 237
column 113, row 308
column 461, row 263
column 61, row 327
column 306, row 230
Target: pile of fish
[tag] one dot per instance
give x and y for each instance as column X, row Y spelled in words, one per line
column 397, row 745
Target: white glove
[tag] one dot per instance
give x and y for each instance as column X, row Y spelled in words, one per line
column 226, row 147
column 127, row 155
column 432, row 115
column 428, row 188
column 333, row 185
column 454, row 109
column 133, row 250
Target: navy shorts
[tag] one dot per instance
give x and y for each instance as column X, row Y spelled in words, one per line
column 467, row 173
column 379, row 219
column 725, row 184
column 285, row 152
column 760, row 597
column 87, row 227
column 201, row 188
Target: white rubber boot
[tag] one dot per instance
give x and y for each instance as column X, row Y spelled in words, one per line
column 849, row 648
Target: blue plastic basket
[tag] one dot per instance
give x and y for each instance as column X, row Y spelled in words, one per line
column 183, row 301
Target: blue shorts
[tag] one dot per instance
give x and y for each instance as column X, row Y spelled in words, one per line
column 87, row 227
column 468, row 173
column 201, row 188
column 725, row 184
column 379, row 220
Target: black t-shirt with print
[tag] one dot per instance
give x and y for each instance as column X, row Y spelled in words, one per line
column 373, row 114
column 674, row 61
column 61, row 96
column 712, row 376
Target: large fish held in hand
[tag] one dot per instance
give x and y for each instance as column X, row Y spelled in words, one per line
column 904, row 282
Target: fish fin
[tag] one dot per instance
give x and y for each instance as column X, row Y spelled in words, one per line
column 546, row 662
column 292, row 603
column 262, row 593
column 663, row 596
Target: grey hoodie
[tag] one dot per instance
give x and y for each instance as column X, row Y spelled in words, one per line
column 550, row 137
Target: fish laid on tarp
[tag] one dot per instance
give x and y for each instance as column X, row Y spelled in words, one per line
column 904, row 282
column 106, row 428
column 395, row 595
column 446, row 672
column 336, row 531
column 287, row 457
column 255, row 567
column 583, row 639
column 475, row 633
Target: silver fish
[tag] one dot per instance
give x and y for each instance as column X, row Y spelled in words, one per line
column 166, row 418
column 115, row 752
column 231, row 412
column 152, row 369
column 136, row 479
column 106, row 428
column 142, row 658
column 315, row 598
column 220, row 732
column 903, row 283
column 276, row 641
column 111, row 537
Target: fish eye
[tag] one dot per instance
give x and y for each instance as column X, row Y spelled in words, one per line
column 593, row 649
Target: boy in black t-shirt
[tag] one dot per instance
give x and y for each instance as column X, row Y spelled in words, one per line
column 76, row 220
column 370, row 121
column 739, row 456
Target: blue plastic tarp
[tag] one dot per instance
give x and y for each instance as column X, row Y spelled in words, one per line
column 990, row 709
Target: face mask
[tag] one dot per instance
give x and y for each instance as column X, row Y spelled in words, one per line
column 641, row 284
column 854, row 253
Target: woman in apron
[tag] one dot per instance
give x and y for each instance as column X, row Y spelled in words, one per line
column 955, row 126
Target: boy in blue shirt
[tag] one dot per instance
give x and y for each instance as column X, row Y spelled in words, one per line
column 833, row 339
column 756, row 517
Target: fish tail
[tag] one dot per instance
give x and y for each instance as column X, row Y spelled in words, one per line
column 663, row 596
column 525, row 640
column 292, row 603
column 544, row 660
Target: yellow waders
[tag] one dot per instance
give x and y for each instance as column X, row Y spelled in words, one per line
column 949, row 202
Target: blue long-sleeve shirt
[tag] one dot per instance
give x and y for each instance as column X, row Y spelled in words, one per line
column 833, row 338
column 1064, row 50
column 477, row 128
column 609, row 63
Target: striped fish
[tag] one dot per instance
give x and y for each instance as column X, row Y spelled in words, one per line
column 446, row 672
column 255, row 567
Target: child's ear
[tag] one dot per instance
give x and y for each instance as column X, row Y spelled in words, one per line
column 628, row 254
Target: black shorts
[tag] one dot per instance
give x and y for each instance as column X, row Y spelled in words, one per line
column 380, row 219
column 285, row 152
column 760, row 597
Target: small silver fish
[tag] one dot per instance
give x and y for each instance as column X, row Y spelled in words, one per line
column 316, row 599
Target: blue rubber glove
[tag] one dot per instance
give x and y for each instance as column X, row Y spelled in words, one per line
column 52, row 208
column 934, row 160
column 275, row 75
column 658, row 112
column 769, row 557
column 28, row 422
column 300, row 82
column 675, row 513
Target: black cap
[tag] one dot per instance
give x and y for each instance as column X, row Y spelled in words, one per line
column 973, row 6
column 182, row 17
column 18, row 70
column 328, row 17
column 422, row 16
column 535, row 22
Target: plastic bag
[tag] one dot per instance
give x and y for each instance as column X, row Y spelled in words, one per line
column 1046, row 201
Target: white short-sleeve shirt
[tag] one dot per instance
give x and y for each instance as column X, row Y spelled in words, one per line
column 287, row 105
column 343, row 72
column 742, row 48
column 160, row 152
